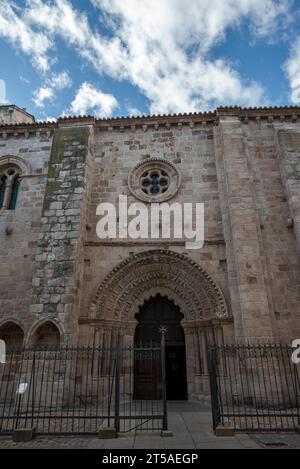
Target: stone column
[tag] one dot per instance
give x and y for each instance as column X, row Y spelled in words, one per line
column 7, row 193
column 246, row 278
column 190, row 357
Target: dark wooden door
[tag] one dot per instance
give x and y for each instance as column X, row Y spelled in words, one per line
column 156, row 312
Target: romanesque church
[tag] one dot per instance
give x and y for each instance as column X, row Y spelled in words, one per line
column 60, row 284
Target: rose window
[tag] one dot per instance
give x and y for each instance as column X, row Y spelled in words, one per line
column 154, row 180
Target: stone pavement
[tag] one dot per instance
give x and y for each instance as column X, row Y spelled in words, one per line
column 191, row 424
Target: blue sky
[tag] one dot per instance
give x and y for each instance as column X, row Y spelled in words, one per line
column 129, row 57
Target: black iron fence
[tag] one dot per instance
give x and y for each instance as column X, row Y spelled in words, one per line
column 254, row 387
column 76, row 390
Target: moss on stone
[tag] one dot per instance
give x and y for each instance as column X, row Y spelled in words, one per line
column 63, row 140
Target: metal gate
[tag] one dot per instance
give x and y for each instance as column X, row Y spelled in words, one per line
column 79, row 390
column 254, row 387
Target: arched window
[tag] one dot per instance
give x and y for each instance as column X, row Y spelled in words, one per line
column 12, row 334
column 10, row 178
column 47, row 334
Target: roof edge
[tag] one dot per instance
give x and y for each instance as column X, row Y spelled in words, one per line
column 242, row 112
column 18, row 109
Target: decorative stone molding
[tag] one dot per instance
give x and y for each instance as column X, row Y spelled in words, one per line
column 154, row 180
column 45, row 130
column 16, row 160
column 146, row 274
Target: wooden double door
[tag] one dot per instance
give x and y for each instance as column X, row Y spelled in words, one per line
column 155, row 313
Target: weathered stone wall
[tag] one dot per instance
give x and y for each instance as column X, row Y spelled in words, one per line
column 56, row 284
column 284, row 250
column 240, row 215
column 258, row 183
column 19, row 228
column 191, row 149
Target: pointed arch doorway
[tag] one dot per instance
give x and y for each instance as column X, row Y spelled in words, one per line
column 156, row 312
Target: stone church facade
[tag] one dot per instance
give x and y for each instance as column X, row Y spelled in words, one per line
column 60, row 283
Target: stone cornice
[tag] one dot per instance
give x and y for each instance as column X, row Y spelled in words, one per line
column 270, row 114
column 157, row 121
column 261, row 113
column 43, row 129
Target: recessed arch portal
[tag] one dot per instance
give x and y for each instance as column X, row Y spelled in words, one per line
column 158, row 312
column 163, row 272
column 115, row 307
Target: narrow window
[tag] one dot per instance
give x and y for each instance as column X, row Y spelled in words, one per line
column 9, row 186
column 2, row 189
column 14, row 193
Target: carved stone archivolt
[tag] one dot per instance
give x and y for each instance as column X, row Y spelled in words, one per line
column 146, row 274
column 15, row 161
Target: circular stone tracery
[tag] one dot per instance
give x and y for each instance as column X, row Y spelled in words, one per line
column 158, row 271
column 154, row 180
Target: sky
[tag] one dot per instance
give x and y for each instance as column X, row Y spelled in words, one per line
column 112, row 58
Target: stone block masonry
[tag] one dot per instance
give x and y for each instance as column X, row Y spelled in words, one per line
column 20, row 228
column 251, row 309
column 56, row 268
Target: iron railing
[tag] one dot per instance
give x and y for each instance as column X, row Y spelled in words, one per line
column 79, row 390
column 254, row 387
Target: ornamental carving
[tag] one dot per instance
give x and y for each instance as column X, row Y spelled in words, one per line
column 146, row 274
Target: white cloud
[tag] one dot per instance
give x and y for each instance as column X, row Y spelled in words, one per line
column 157, row 36
column 271, row 19
column 59, row 81
column 22, row 36
column 41, row 95
column 56, row 81
column 89, row 99
column 134, row 111
column 292, row 70
column 46, row 118
column 162, row 47
column 204, row 22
